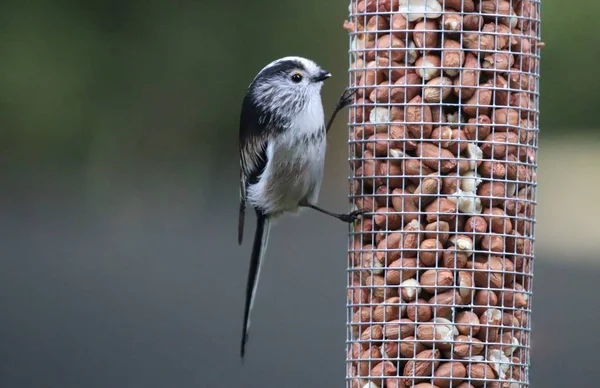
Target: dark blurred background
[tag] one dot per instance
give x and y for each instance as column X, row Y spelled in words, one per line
column 119, row 195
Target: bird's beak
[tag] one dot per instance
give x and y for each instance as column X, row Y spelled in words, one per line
column 323, row 75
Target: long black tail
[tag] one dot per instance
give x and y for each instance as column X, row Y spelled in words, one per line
column 261, row 237
column 241, row 217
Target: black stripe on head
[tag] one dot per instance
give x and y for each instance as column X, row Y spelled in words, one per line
column 282, row 68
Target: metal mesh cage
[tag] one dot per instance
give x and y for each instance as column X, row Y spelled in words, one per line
column 443, row 150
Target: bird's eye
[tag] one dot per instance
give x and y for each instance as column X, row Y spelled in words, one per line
column 296, row 77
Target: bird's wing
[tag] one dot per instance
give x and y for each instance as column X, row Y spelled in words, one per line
column 253, row 155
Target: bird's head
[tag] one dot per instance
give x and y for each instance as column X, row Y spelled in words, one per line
column 288, row 83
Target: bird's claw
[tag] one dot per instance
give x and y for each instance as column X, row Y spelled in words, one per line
column 353, row 216
column 346, row 98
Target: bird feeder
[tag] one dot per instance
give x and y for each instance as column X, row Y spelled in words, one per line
column 443, row 140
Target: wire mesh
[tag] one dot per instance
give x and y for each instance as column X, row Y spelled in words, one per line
column 443, row 150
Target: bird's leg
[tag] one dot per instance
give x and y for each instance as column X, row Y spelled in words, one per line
column 344, row 101
column 349, row 217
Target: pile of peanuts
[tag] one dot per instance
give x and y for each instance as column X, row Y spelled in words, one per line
column 443, row 140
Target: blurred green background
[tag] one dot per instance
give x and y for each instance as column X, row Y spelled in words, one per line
column 118, row 198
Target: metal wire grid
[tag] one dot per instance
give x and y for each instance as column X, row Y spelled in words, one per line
column 443, row 145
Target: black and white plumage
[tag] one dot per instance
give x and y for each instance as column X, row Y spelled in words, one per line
column 282, row 152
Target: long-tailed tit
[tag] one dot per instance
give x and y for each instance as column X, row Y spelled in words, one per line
column 282, row 152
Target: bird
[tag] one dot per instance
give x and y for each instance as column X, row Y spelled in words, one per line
column 282, row 145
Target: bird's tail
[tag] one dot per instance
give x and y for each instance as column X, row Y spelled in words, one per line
column 261, row 237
